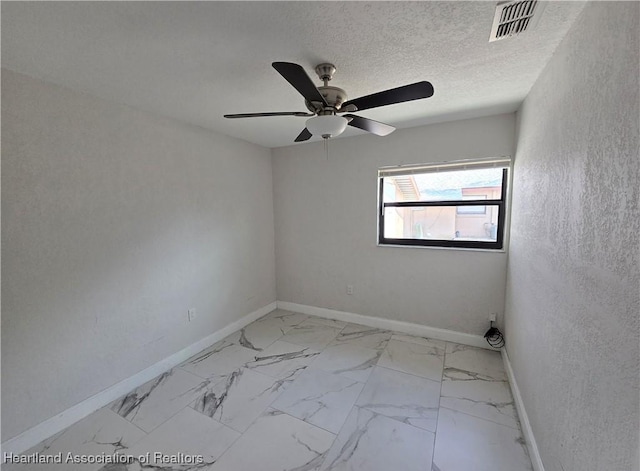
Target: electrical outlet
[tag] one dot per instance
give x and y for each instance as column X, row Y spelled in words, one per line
column 349, row 289
column 492, row 317
column 192, row 314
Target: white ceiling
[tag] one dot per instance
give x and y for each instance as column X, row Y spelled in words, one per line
column 196, row 61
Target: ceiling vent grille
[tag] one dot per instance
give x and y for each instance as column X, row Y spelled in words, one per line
column 513, row 18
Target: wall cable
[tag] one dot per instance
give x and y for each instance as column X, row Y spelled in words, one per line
column 494, row 337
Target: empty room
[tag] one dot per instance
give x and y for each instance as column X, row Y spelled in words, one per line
column 320, row 235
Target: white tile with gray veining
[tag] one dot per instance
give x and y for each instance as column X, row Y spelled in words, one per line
column 481, row 397
column 312, row 334
column 188, row 433
column 320, row 398
column 275, row 442
column 420, row 359
column 282, row 360
column 418, row 339
column 363, row 336
column 219, row 361
column 240, row 398
column 285, row 319
column 157, row 400
column 373, row 442
column 486, row 363
column 302, row 393
column 260, row 334
column 101, row 432
column 328, row 322
column 464, row 442
column 401, row 396
column 256, row 336
column 347, row 360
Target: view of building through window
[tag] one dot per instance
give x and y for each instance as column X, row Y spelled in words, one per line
column 476, row 222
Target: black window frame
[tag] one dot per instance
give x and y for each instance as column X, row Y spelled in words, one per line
column 471, row 213
column 465, row 244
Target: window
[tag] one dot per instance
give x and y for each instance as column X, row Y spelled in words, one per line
column 456, row 204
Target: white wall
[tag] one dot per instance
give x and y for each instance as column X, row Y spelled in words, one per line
column 325, row 218
column 114, row 223
column 573, row 308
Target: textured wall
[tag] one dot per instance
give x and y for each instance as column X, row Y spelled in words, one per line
column 572, row 307
column 326, row 232
column 114, row 223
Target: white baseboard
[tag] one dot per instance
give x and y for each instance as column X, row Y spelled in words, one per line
column 388, row 324
column 49, row 427
column 534, row 453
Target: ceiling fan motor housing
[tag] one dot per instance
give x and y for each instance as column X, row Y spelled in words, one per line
column 334, row 97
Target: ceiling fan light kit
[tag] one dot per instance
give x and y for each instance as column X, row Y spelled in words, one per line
column 327, row 126
column 325, row 102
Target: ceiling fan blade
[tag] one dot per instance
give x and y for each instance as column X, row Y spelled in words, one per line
column 305, row 135
column 275, row 113
column 366, row 124
column 296, row 76
column 415, row 91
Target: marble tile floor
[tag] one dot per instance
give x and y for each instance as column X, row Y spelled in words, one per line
column 300, row 393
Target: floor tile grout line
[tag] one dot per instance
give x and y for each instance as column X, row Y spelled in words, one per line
column 266, row 376
column 465, row 413
column 215, row 420
column 270, row 405
column 258, row 416
column 170, row 417
column 108, row 408
column 304, row 346
column 353, row 407
column 435, row 435
column 355, row 404
column 303, row 420
column 240, row 435
column 410, row 374
column 335, row 435
column 164, row 421
column 335, row 374
column 480, row 418
column 258, row 320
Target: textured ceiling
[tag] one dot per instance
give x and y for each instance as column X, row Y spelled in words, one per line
column 196, row 61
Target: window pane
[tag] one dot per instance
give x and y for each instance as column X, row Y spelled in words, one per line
column 445, row 186
column 441, row 223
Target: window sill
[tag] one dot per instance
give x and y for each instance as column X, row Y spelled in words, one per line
column 433, row 247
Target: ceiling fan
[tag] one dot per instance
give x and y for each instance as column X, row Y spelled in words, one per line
column 325, row 102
